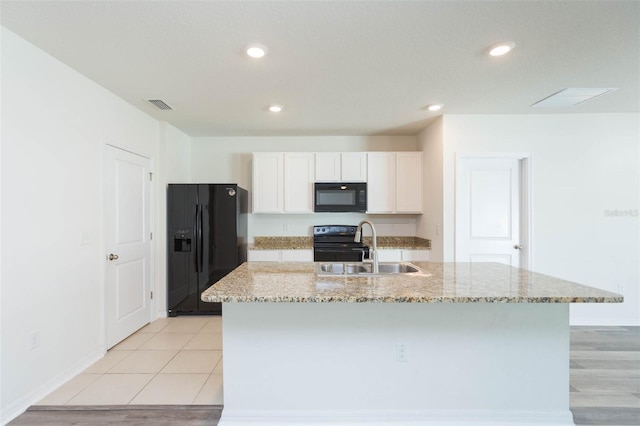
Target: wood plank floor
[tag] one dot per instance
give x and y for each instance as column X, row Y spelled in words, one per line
column 127, row 415
column 605, row 375
column 605, row 390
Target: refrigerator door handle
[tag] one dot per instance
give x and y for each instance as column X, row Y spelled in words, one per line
column 195, row 232
column 200, row 239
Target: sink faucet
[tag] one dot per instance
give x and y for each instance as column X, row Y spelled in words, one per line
column 373, row 253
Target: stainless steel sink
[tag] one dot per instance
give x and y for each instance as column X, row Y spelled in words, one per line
column 385, row 268
column 398, row 268
column 343, row 268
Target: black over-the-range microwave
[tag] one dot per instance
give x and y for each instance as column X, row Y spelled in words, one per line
column 340, row 197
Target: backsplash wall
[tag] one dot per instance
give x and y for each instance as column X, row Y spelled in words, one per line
column 275, row 225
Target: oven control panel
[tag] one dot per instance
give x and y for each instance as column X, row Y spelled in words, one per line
column 327, row 230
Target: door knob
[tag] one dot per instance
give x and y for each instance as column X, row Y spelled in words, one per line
column 112, row 256
column 517, row 247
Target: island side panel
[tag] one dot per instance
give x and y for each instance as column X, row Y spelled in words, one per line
column 464, row 361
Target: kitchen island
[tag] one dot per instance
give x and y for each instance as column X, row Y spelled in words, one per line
column 479, row 343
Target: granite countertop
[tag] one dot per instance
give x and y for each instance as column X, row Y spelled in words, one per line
column 275, row 282
column 282, row 243
column 306, row 243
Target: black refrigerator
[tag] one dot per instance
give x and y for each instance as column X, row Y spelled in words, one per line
column 207, row 239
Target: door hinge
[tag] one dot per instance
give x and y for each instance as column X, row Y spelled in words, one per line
column 150, row 176
column 151, row 235
column 152, row 295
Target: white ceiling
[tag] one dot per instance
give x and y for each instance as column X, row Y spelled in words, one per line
column 339, row 67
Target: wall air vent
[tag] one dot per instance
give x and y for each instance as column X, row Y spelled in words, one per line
column 571, row 97
column 159, row 104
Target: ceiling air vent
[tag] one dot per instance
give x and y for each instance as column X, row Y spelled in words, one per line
column 571, row 97
column 159, row 104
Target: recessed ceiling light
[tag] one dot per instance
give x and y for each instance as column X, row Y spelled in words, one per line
column 256, row 51
column 275, row 108
column 502, row 48
column 434, row 107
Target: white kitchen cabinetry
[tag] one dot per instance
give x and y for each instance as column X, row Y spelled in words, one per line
column 280, row 255
column 263, row 256
column 416, row 255
column 298, row 182
column 341, row 167
column 389, row 255
column 403, row 255
column 283, row 182
column 394, row 182
column 408, row 182
column 296, row 255
column 268, row 182
column 381, row 182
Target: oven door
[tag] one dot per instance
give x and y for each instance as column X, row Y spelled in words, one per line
column 353, row 254
column 340, row 197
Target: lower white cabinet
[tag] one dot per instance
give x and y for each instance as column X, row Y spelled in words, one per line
column 384, row 255
column 389, row 255
column 263, row 256
column 402, row 255
column 280, row 255
column 296, row 255
column 416, row 255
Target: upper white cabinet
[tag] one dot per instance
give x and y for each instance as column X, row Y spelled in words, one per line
column 268, row 182
column 408, row 182
column 298, row 182
column 394, row 182
column 283, row 182
column 341, row 167
column 381, row 182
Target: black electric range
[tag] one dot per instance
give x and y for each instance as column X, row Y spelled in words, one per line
column 335, row 243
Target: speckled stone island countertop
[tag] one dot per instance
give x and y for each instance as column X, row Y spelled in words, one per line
column 305, row 242
column 276, row 282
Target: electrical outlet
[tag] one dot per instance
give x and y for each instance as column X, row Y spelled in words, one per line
column 437, row 230
column 285, row 227
column 402, row 352
column 621, row 289
column 34, row 340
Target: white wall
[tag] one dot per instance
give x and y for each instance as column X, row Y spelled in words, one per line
column 430, row 142
column 174, row 166
column 55, row 123
column 583, row 166
column 228, row 159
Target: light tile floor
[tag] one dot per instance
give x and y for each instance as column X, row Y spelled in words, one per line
column 169, row 361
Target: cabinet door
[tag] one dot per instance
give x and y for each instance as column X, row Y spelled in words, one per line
column 354, row 167
column 263, row 255
column 297, row 255
column 328, row 167
column 298, row 182
column 409, row 182
column 389, row 255
column 267, row 182
column 381, row 182
column 416, row 255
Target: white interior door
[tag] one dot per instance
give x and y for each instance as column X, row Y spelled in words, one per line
column 128, row 245
column 488, row 192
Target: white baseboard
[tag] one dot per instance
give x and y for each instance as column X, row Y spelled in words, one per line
column 614, row 322
column 394, row 418
column 15, row 408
